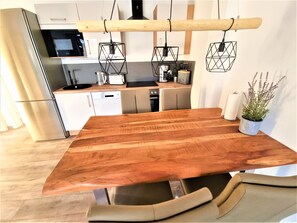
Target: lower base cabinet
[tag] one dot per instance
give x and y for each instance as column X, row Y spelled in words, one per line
column 75, row 109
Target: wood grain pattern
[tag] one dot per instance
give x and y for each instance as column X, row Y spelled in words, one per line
column 110, row 87
column 188, row 36
column 25, row 164
column 162, row 25
column 150, row 147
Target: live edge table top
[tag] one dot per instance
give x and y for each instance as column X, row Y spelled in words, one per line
column 149, row 147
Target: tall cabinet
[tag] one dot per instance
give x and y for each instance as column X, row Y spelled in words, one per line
column 65, row 16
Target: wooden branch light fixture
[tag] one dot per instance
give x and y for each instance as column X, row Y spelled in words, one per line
column 162, row 25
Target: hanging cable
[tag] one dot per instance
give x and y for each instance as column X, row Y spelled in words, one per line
column 111, row 14
column 112, row 9
column 165, row 50
column 222, row 44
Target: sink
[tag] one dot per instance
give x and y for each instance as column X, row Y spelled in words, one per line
column 77, row 86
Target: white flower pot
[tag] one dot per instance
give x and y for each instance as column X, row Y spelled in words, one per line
column 249, row 127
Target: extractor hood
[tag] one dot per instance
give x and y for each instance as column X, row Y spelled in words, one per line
column 137, row 10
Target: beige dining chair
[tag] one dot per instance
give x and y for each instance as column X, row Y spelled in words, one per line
column 194, row 207
column 257, row 198
column 135, row 101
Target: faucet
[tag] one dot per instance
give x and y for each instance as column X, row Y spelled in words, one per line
column 70, row 78
column 74, row 76
column 73, row 80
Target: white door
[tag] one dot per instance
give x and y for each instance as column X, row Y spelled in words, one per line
column 75, row 109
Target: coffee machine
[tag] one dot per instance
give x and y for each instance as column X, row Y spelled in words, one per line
column 164, row 71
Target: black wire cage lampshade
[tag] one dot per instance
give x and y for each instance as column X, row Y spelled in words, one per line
column 163, row 54
column 112, row 57
column 220, row 56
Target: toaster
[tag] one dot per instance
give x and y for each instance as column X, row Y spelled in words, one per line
column 116, row 78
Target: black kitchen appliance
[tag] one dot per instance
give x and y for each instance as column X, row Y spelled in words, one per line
column 154, row 92
column 64, row 43
column 141, row 84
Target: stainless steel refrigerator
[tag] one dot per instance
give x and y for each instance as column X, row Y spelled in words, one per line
column 34, row 74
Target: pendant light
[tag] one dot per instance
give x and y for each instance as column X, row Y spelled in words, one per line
column 164, row 54
column 112, row 55
column 220, row 56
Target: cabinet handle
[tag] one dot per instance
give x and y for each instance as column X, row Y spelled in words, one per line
column 89, row 102
column 58, row 19
column 88, row 43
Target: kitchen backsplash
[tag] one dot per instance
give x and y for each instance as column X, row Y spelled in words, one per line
column 137, row 71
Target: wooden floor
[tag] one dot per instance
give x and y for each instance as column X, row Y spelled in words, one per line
column 24, row 167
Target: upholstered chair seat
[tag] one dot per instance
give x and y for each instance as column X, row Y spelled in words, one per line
column 257, row 198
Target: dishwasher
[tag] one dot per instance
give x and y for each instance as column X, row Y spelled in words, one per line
column 107, row 103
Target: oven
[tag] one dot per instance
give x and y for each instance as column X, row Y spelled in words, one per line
column 154, row 98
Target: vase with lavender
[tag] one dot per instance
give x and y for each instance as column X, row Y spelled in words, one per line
column 257, row 99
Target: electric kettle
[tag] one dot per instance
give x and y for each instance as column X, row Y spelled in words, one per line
column 101, row 77
column 164, row 72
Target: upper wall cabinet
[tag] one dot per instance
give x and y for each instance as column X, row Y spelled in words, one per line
column 180, row 11
column 97, row 11
column 57, row 14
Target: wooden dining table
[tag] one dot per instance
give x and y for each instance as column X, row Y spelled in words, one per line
column 149, row 147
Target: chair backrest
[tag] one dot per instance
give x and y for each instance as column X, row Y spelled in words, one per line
column 194, row 207
column 175, row 99
column 257, row 198
column 135, row 101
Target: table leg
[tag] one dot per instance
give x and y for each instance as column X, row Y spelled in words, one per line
column 101, row 196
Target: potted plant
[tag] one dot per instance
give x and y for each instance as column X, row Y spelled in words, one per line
column 256, row 103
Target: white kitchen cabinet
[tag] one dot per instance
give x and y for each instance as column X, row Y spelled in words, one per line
column 57, row 14
column 97, row 11
column 75, row 109
column 180, row 11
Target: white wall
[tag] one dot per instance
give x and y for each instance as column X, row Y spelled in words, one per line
column 271, row 48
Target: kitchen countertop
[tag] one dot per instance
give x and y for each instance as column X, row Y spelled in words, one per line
column 109, row 87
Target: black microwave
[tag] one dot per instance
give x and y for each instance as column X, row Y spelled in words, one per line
column 64, row 43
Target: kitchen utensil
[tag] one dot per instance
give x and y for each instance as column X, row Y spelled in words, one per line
column 101, row 77
column 183, row 77
column 116, row 78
